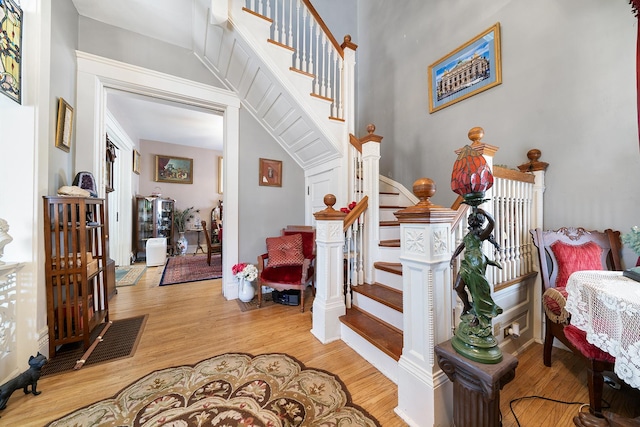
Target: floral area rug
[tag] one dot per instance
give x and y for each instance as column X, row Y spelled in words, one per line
column 228, row 390
column 191, row 268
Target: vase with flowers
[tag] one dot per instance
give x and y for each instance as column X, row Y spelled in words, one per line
column 180, row 219
column 245, row 273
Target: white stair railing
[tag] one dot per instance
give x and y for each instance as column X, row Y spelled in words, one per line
column 297, row 25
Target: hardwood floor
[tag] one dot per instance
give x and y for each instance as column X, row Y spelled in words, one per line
column 192, row 321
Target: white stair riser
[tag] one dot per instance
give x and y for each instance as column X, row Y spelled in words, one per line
column 389, row 254
column 381, row 311
column 386, row 214
column 389, row 200
column 390, row 233
column 385, row 364
column 389, row 279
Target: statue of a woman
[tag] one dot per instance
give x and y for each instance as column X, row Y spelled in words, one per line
column 475, row 327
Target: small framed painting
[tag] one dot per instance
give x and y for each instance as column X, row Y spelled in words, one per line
column 220, row 174
column 136, row 162
column 11, row 50
column 64, row 125
column 470, row 69
column 177, row 170
column 270, row 173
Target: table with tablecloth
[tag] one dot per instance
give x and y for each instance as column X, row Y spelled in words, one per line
column 606, row 305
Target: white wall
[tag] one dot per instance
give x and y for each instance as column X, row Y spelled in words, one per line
column 568, row 88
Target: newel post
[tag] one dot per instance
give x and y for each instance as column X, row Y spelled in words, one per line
column 424, row 392
column 371, row 183
column 538, row 169
column 329, row 304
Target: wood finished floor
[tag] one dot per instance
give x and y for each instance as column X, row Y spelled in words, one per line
column 192, row 321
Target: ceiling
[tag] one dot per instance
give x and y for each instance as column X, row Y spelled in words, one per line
column 146, row 118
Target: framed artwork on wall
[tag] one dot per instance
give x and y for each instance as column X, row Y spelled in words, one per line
column 470, row 69
column 64, row 125
column 11, row 50
column 177, row 170
column 270, row 173
column 220, row 174
column 136, row 162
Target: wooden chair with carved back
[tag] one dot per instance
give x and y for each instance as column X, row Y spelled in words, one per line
column 560, row 253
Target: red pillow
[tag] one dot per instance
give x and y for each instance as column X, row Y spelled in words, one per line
column 285, row 250
column 572, row 258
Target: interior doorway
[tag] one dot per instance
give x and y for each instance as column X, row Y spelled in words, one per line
column 96, row 75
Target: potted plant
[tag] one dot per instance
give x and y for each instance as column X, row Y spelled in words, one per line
column 632, row 240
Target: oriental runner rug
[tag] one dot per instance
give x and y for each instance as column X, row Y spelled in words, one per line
column 191, row 268
column 228, row 390
column 129, row 275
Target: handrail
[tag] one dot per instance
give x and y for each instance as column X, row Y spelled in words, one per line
column 512, row 175
column 355, row 213
column 355, row 142
column 324, row 27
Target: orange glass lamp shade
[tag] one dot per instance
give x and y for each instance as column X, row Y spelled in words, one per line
column 471, row 176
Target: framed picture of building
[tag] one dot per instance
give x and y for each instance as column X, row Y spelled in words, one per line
column 11, row 50
column 470, row 69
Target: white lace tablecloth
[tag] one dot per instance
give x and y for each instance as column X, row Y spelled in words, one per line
column 606, row 305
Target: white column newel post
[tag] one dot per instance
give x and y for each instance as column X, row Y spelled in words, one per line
column 538, row 169
column 371, row 189
column 329, row 304
column 424, row 391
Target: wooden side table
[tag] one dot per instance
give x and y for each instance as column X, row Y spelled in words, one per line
column 476, row 386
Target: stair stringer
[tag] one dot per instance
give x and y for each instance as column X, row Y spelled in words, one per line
column 240, row 56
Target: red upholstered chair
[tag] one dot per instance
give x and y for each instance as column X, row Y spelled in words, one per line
column 560, row 253
column 289, row 261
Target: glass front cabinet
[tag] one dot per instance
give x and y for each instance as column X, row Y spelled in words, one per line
column 153, row 218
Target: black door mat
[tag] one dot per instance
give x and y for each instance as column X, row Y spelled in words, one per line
column 118, row 342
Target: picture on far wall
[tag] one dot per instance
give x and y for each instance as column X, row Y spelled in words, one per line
column 11, row 50
column 177, row 170
column 220, row 174
column 64, row 125
column 136, row 162
column 470, row 69
column 270, row 173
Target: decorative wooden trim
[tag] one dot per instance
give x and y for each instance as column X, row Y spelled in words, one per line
column 347, row 44
column 355, row 142
column 321, row 97
column 329, row 214
column 324, row 27
column 534, row 164
column 509, row 283
column 355, row 213
column 370, row 137
column 336, row 118
column 284, row 46
column 257, row 14
column 304, row 73
column 513, row 175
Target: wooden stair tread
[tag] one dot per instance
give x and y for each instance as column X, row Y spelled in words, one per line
column 389, row 223
column 393, row 243
column 391, row 207
column 392, row 193
column 382, row 335
column 391, row 267
column 383, row 294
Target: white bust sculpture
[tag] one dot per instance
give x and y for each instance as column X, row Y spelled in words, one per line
column 4, row 237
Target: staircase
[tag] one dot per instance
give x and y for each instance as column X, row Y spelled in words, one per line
column 373, row 325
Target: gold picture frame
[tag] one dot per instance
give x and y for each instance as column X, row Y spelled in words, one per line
column 64, row 125
column 220, row 174
column 270, row 174
column 172, row 169
column 470, row 69
column 136, row 162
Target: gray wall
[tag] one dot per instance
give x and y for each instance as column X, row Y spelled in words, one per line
column 265, row 210
column 64, row 42
column 568, row 88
